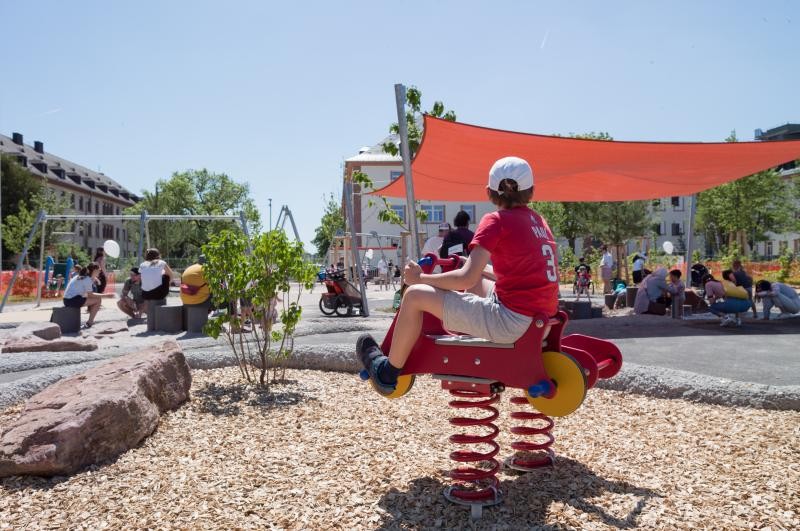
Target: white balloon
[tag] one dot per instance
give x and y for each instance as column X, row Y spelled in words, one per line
column 111, row 248
column 668, row 247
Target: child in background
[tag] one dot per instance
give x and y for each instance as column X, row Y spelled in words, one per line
column 523, row 252
column 676, row 288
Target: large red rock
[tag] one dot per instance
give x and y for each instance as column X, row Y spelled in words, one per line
column 96, row 415
column 43, row 337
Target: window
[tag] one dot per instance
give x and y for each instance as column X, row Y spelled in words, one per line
column 72, row 200
column 658, row 204
column 394, row 175
column 89, row 205
column 117, row 233
column 677, row 229
column 677, row 204
column 90, row 234
column 470, row 209
column 96, row 207
column 118, row 211
column 797, row 247
column 80, row 202
column 768, row 249
column 435, row 213
column 659, row 229
column 400, row 210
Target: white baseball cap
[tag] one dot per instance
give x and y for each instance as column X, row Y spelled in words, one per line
column 511, row 168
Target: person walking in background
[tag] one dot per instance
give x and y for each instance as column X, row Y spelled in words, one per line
column 156, row 276
column 778, row 294
column 606, row 265
column 746, row 281
column 638, row 267
column 383, row 273
column 131, row 301
column 457, row 241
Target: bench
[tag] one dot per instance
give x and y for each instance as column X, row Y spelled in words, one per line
column 151, row 313
column 67, row 318
column 195, row 317
column 169, row 318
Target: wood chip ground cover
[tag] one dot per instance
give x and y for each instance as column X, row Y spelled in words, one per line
column 324, row 452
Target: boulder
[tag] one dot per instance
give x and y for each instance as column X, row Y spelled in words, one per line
column 95, row 416
column 46, row 331
column 35, row 344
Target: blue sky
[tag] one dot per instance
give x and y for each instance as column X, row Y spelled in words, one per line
column 278, row 95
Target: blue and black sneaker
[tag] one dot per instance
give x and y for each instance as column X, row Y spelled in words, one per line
column 372, row 358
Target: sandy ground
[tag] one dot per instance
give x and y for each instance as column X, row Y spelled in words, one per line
column 325, row 452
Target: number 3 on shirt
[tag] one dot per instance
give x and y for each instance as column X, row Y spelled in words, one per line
column 550, row 255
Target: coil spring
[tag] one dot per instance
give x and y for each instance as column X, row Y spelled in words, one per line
column 534, row 451
column 475, row 483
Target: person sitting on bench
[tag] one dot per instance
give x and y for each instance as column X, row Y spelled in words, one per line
column 156, row 276
column 523, row 252
column 80, row 292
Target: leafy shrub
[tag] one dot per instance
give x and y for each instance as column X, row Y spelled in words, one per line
column 262, row 275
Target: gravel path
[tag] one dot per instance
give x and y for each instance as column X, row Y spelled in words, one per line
column 324, row 452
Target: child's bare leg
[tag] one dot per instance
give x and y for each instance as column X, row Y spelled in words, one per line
column 417, row 299
column 481, row 289
column 93, row 305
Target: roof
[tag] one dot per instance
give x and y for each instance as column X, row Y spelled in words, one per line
column 59, row 170
column 454, row 159
column 376, row 154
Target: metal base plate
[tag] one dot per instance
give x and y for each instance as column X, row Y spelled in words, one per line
column 550, row 456
column 476, row 506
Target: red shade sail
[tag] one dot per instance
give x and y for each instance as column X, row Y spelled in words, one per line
column 454, row 159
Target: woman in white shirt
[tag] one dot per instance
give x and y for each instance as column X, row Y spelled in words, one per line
column 156, row 276
column 80, row 292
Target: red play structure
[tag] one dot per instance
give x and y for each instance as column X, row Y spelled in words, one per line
column 553, row 372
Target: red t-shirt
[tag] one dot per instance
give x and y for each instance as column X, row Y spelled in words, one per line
column 525, row 260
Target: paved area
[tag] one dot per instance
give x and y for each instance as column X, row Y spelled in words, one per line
column 657, row 349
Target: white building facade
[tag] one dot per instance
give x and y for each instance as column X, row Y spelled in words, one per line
column 83, row 190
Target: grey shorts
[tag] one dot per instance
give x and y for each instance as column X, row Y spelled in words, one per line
column 483, row 317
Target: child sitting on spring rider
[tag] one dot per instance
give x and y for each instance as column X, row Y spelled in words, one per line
column 499, row 302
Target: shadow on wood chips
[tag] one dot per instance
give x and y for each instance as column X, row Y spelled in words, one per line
column 526, row 501
column 227, row 400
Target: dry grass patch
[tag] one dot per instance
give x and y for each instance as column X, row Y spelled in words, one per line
column 325, row 452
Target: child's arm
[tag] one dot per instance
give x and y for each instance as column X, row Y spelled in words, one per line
column 464, row 278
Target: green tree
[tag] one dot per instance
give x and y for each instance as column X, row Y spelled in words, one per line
column 263, row 275
column 24, row 195
column 414, row 121
column 332, row 221
column 193, row 192
column 741, row 212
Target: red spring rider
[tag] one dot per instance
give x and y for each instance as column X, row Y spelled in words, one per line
column 519, row 319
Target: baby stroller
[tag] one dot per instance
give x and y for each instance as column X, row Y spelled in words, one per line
column 583, row 282
column 698, row 272
column 341, row 297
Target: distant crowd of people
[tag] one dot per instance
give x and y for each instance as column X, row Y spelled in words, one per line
column 728, row 297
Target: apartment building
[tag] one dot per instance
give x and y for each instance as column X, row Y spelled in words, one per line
column 85, row 192
column 384, row 168
column 774, row 244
